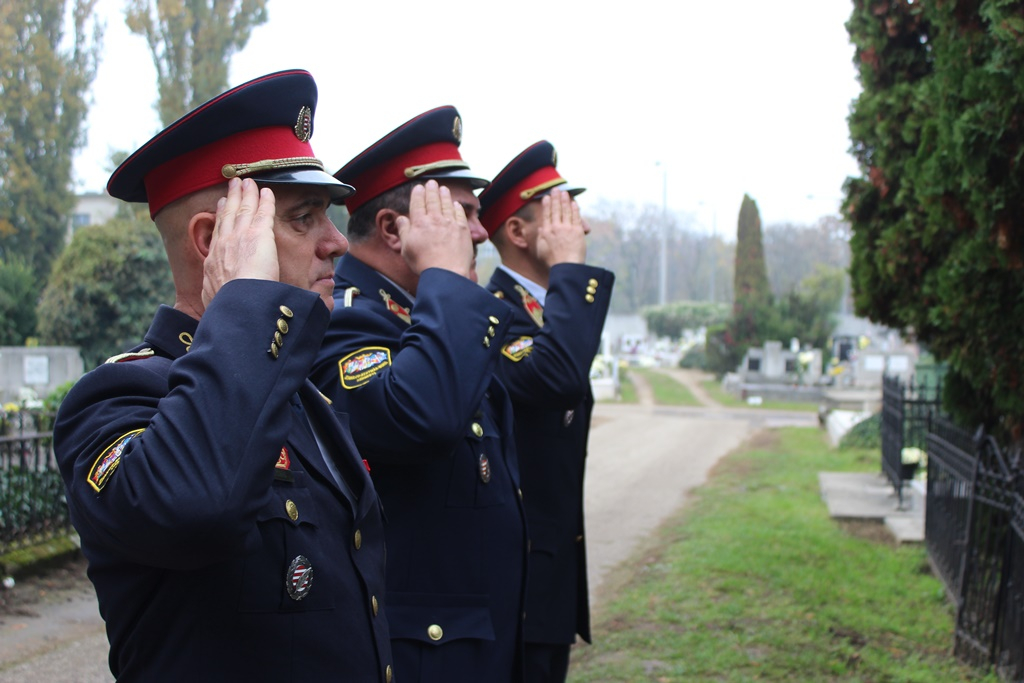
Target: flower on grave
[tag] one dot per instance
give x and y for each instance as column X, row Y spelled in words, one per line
column 7, row 413
column 912, row 456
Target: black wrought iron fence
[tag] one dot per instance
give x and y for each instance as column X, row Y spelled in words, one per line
column 907, row 410
column 32, row 502
column 1010, row 661
column 974, row 533
column 985, row 556
column 948, row 499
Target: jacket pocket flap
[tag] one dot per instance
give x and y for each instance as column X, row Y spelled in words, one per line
column 439, row 618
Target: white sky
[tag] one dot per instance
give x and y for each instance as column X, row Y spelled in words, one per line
column 705, row 99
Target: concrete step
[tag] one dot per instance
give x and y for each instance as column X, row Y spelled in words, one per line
column 870, row 496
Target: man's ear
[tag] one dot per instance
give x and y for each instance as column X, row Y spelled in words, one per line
column 515, row 232
column 200, row 232
column 387, row 227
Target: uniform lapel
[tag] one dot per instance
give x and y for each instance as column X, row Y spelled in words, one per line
column 342, row 449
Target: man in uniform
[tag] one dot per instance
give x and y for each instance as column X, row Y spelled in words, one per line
column 559, row 306
column 410, row 355
column 231, row 528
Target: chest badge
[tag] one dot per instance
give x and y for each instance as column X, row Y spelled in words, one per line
column 569, row 415
column 485, row 469
column 299, row 578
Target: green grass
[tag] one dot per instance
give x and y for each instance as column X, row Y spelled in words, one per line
column 667, row 391
column 754, row 581
column 715, row 390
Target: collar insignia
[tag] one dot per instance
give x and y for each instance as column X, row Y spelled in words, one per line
column 396, row 308
column 531, row 305
column 284, row 460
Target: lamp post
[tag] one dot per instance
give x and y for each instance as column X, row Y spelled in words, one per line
column 663, row 263
column 714, row 252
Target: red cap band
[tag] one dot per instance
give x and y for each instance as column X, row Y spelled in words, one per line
column 512, row 200
column 378, row 180
column 203, row 167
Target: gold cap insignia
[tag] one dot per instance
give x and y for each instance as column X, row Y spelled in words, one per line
column 304, row 124
column 457, row 129
column 554, row 157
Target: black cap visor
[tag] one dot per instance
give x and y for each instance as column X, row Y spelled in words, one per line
column 306, row 176
column 474, row 181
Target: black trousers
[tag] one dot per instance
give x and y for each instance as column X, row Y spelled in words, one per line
column 547, row 662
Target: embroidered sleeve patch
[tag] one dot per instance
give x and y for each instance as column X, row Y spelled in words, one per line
column 358, row 368
column 108, row 461
column 518, row 349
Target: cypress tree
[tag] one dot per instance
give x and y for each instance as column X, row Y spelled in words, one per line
column 937, row 213
column 753, row 298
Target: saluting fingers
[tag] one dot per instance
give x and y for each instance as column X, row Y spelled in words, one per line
column 545, row 210
column 577, row 217
column 432, row 198
column 417, row 202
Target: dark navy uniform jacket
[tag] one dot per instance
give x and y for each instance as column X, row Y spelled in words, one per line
column 435, row 426
column 547, row 372
column 195, row 482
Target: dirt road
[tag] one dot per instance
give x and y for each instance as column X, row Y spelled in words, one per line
column 644, row 460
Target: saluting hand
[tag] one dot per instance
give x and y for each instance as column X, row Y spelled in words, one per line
column 561, row 237
column 242, row 245
column 436, row 233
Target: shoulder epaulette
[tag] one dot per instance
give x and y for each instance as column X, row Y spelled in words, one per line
column 131, row 355
column 350, row 294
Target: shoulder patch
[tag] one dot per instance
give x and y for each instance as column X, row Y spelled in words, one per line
column 357, row 368
column 518, row 349
column 134, row 355
column 109, row 459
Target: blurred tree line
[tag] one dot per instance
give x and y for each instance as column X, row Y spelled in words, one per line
column 97, row 291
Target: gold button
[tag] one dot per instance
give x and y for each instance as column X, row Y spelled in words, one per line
column 477, row 429
column 273, row 349
column 494, row 321
column 358, row 539
column 491, row 331
column 286, row 312
column 292, row 510
column 387, row 674
column 579, row 538
column 487, row 342
column 592, row 282
column 282, row 325
column 591, row 290
column 520, row 492
column 373, row 601
column 278, row 339
column 589, row 298
column 434, row 632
